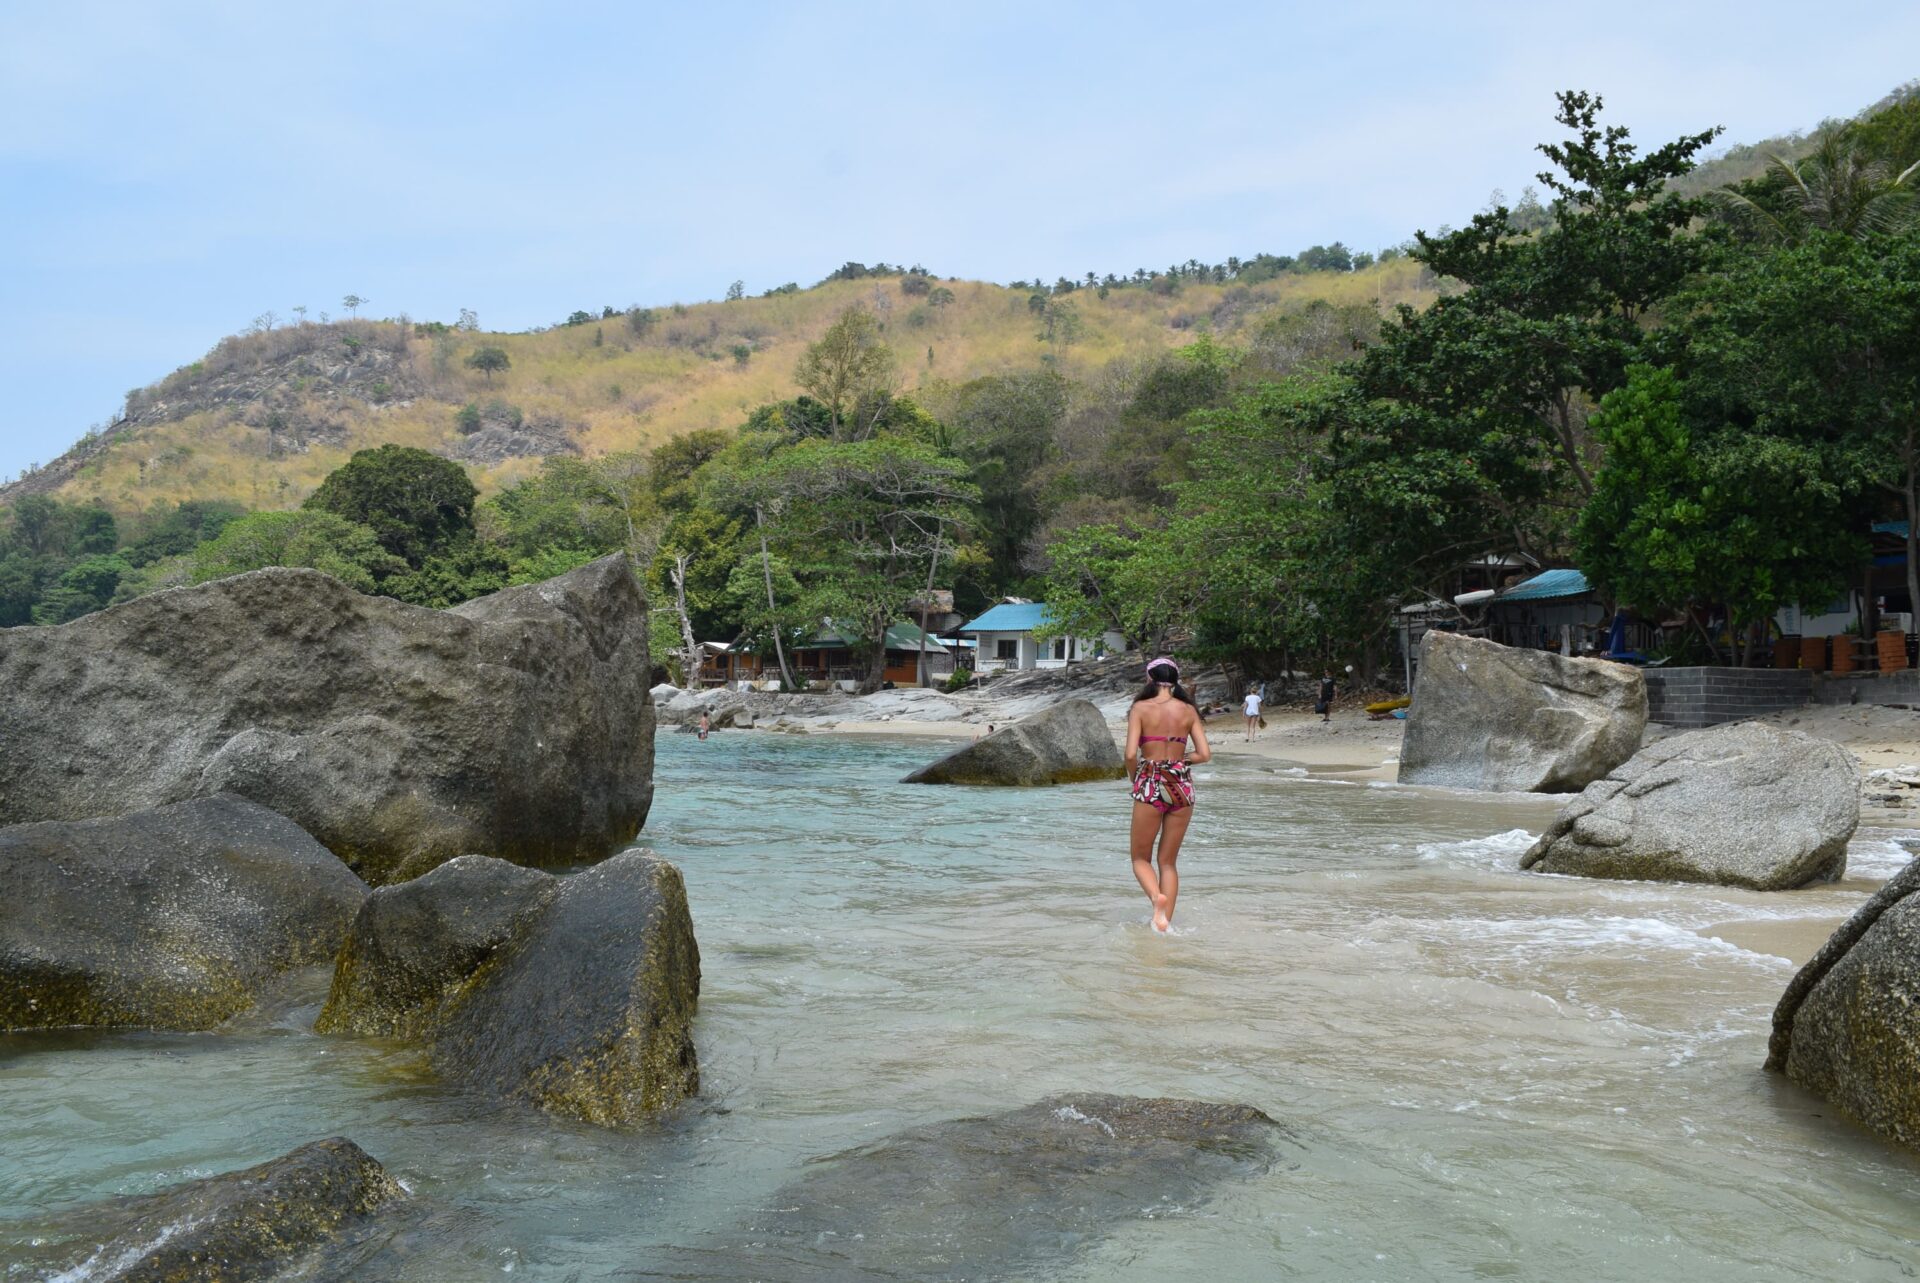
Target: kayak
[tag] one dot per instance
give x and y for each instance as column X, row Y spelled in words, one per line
column 1388, row 705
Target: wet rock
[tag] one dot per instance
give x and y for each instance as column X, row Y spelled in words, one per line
column 997, row 1197
column 1487, row 716
column 575, row 994
column 1848, row 1026
column 516, row 725
column 1064, row 744
column 173, row 918
column 309, row 1214
column 1743, row 805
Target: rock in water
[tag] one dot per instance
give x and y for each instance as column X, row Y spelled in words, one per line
column 1848, row 1027
column 1741, row 805
column 1005, row 1196
column 516, row 725
column 1487, row 716
column 575, row 994
column 298, row 1216
column 174, row 918
column 1064, row 744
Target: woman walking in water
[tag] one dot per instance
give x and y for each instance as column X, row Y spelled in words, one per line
column 1163, row 719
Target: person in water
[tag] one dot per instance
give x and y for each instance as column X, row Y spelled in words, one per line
column 1159, row 726
column 706, row 724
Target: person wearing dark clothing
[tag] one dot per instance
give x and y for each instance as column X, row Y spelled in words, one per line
column 1324, row 706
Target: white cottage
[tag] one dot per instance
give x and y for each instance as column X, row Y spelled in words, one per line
column 1007, row 644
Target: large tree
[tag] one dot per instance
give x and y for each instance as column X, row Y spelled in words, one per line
column 417, row 504
column 851, row 366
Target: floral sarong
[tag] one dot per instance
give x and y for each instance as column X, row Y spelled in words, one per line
column 1164, row 786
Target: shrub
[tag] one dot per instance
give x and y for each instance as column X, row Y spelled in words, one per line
column 467, row 419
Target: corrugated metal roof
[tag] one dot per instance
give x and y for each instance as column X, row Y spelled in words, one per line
column 1898, row 528
column 1546, row 584
column 1022, row 617
column 900, row 636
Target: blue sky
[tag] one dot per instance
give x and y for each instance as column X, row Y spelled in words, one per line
column 171, row 170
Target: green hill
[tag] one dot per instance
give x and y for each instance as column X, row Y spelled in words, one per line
column 264, row 416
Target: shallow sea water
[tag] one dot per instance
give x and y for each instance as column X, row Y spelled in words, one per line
column 1485, row 1074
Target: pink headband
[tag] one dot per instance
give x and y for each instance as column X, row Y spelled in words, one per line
column 1153, row 664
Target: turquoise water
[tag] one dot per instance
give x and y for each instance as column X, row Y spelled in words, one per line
column 1488, row 1075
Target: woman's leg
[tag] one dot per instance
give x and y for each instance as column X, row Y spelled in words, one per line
column 1172, row 829
column 1146, row 827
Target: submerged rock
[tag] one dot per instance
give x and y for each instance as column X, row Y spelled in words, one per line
column 995, row 1197
column 1064, row 744
column 516, row 725
column 575, row 994
column 304, row 1215
column 1741, row 805
column 173, row 918
column 1848, row 1026
column 1487, row 716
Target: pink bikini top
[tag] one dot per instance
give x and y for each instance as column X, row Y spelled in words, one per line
column 1165, row 739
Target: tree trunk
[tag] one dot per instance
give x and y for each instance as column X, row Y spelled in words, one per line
column 766, row 569
column 1912, row 494
column 877, row 671
column 926, row 606
column 690, row 665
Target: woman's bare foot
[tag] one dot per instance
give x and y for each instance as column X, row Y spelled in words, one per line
column 1162, row 915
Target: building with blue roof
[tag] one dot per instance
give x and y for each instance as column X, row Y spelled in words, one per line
column 1006, row 640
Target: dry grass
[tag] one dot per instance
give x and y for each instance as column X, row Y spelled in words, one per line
column 630, row 391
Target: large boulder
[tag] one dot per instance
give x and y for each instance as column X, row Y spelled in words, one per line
column 1848, row 1026
column 1012, row 1195
column 575, row 994
column 1064, row 744
column 516, row 725
column 302, row 1215
column 1487, row 716
column 1741, row 805
column 174, row 918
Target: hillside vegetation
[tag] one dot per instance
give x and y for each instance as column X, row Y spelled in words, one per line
column 266, row 415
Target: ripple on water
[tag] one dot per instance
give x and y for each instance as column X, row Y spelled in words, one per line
column 1489, row 1074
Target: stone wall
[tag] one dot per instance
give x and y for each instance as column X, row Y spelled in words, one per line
column 1900, row 688
column 1690, row 698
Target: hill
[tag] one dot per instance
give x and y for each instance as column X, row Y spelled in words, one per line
column 265, row 415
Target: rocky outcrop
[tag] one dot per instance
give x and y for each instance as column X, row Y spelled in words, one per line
column 302, row 1216
column 516, row 725
column 1739, row 805
column 1848, row 1026
column 574, row 994
column 1012, row 1195
column 174, row 918
column 1487, row 716
column 1064, row 744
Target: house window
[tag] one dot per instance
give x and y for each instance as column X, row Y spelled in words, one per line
column 1006, row 648
column 1060, row 648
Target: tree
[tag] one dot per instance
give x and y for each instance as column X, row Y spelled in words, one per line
column 1684, row 517
column 487, row 360
column 353, row 303
column 318, row 540
column 86, row 586
column 416, row 503
column 736, row 291
column 849, row 364
column 862, row 524
column 1839, row 187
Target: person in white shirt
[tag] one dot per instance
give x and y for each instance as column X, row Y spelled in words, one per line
column 1252, row 703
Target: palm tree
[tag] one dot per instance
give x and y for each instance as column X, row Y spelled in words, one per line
column 1836, row 187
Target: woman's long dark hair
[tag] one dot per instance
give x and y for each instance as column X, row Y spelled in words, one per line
column 1155, row 681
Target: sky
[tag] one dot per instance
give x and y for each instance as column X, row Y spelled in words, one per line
column 171, row 169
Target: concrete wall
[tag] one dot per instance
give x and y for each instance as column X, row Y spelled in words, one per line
column 1900, row 688
column 1694, row 697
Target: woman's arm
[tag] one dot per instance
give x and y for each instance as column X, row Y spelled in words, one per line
column 1133, row 740
column 1202, row 751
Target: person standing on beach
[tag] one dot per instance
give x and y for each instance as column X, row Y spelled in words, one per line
column 1160, row 725
column 1251, row 707
column 1324, row 706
